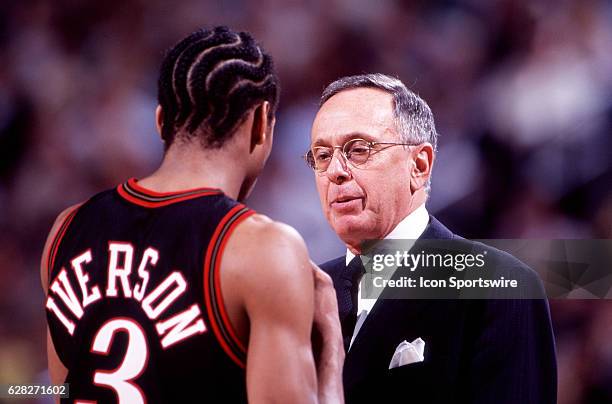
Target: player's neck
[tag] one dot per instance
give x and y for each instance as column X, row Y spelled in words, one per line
column 192, row 167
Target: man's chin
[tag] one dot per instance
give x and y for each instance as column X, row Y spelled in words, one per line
column 350, row 227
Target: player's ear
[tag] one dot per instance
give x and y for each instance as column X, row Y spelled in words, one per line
column 423, row 158
column 261, row 128
column 159, row 119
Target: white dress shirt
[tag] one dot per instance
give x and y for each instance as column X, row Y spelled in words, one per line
column 410, row 228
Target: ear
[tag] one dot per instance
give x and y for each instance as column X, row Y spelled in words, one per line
column 261, row 128
column 159, row 119
column 423, row 157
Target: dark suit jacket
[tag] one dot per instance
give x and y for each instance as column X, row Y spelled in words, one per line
column 476, row 351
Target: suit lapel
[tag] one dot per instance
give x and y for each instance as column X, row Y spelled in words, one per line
column 389, row 323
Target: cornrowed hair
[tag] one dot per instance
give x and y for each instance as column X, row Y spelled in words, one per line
column 208, row 83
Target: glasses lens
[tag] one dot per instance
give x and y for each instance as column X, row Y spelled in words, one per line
column 321, row 156
column 357, row 151
column 309, row 159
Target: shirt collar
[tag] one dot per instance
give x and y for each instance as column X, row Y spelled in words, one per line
column 410, row 228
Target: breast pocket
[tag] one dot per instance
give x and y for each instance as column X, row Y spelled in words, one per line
column 416, row 383
column 419, row 368
column 408, row 378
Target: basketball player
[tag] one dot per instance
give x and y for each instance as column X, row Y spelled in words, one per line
column 167, row 289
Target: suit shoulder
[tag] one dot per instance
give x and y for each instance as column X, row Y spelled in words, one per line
column 333, row 265
column 503, row 258
column 505, row 264
column 500, row 258
column 334, row 269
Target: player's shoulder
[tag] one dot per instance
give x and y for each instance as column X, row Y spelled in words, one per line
column 71, row 210
column 62, row 220
column 59, row 225
column 64, row 214
column 263, row 228
column 270, row 246
column 266, row 263
column 100, row 199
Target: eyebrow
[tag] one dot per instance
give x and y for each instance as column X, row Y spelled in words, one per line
column 345, row 138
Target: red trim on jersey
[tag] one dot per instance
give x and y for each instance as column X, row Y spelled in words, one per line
column 216, row 283
column 133, row 182
column 217, row 280
column 151, row 199
column 57, row 239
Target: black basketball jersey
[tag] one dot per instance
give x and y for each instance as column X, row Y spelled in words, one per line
column 134, row 305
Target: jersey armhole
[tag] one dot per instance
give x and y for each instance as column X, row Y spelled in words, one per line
column 221, row 325
column 57, row 240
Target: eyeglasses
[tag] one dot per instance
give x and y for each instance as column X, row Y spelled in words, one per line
column 355, row 151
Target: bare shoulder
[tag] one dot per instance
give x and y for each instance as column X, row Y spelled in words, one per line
column 264, row 251
column 262, row 226
column 260, row 239
column 57, row 224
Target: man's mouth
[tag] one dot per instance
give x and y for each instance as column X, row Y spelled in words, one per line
column 346, row 204
column 346, row 199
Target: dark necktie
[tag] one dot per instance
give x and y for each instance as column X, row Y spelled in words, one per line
column 347, row 298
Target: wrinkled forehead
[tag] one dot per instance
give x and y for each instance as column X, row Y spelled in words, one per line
column 362, row 112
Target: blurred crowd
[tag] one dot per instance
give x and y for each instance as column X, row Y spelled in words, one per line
column 521, row 92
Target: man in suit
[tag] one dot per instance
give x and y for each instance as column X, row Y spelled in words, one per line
column 372, row 150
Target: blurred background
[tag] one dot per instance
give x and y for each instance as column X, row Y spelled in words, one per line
column 521, row 92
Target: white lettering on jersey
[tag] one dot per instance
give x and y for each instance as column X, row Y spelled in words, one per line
column 114, row 271
column 172, row 330
column 58, row 313
column 66, row 293
column 150, row 256
column 180, row 285
column 83, row 278
column 180, row 326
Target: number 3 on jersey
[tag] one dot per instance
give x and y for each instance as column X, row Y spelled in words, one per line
column 132, row 366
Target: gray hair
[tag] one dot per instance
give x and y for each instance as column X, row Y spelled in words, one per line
column 413, row 118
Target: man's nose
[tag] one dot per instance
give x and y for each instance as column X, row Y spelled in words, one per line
column 338, row 170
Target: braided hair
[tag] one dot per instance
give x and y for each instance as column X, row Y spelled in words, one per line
column 208, row 83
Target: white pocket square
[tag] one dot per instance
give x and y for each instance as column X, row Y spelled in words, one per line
column 408, row 352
